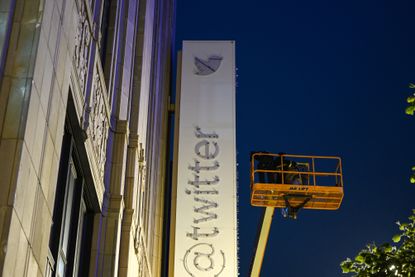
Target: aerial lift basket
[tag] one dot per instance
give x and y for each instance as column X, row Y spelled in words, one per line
column 296, row 181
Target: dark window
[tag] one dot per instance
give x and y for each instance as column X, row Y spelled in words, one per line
column 70, row 238
column 104, row 31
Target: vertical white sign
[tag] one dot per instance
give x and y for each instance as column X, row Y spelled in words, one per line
column 206, row 223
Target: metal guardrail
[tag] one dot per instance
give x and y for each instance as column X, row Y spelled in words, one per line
column 302, row 160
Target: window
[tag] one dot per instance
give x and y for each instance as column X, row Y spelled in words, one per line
column 70, row 238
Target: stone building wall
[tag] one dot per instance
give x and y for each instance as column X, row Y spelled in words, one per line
column 84, row 97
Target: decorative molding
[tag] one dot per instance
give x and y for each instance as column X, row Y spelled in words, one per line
column 82, row 46
column 121, row 127
column 141, row 162
column 142, row 173
column 137, row 236
column 98, row 122
column 97, row 126
column 142, row 254
column 133, row 141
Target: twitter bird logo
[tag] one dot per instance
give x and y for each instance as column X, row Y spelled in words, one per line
column 208, row 67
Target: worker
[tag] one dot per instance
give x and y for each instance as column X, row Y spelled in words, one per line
column 265, row 162
column 287, row 165
column 293, row 178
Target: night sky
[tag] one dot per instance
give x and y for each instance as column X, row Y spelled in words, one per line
column 320, row 78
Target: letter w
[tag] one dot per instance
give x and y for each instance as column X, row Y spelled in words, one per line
column 203, row 210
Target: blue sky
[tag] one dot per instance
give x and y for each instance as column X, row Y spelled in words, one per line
column 323, row 78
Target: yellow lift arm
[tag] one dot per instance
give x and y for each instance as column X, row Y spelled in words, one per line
column 262, row 241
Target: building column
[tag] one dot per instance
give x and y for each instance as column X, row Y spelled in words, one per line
column 109, row 242
column 130, row 233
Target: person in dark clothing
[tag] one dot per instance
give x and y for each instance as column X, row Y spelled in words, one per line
column 292, row 178
column 288, row 165
column 265, row 162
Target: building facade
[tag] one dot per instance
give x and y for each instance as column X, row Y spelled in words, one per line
column 84, row 103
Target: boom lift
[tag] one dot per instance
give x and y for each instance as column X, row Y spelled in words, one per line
column 292, row 183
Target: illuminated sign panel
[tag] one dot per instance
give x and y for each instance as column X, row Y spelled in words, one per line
column 205, row 230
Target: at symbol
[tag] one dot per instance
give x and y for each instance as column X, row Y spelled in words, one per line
column 200, row 259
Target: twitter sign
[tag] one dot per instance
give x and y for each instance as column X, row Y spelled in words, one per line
column 204, row 211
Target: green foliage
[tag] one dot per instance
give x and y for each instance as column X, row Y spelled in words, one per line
column 397, row 259
column 387, row 259
column 411, row 101
column 410, row 110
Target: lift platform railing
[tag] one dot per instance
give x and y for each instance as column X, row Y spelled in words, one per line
column 313, row 182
